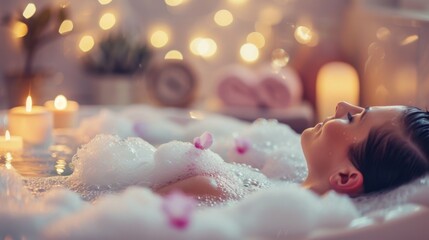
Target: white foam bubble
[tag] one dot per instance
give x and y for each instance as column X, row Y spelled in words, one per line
column 177, row 160
column 271, row 146
column 158, row 131
column 112, row 161
column 219, row 126
column 137, row 213
column 105, row 122
column 12, row 189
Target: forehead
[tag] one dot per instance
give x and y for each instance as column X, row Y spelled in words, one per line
column 381, row 114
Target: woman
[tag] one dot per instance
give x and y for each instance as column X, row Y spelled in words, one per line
column 356, row 151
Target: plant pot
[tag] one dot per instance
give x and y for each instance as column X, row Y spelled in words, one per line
column 114, row 90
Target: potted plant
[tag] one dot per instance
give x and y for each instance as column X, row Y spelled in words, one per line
column 34, row 32
column 115, row 64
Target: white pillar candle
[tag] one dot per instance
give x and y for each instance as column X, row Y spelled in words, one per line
column 65, row 112
column 10, row 143
column 336, row 81
column 32, row 123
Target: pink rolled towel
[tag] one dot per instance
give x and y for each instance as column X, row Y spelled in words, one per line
column 236, row 87
column 279, row 88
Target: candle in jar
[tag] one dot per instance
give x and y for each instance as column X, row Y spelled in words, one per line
column 33, row 123
column 64, row 112
column 10, row 143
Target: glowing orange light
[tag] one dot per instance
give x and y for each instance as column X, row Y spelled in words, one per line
column 174, row 54
column 60, row 102
column 19, row 29
column 86, row 43
column 249, row 52
column 7, row 135
column 29, row 10
column 66, row 26
column 28, row 104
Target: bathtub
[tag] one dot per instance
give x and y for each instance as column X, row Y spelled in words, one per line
column 403, row 213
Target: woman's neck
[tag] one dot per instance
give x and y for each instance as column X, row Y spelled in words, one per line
column 314, row 185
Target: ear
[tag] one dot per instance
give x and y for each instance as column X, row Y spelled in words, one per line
column 347, row 180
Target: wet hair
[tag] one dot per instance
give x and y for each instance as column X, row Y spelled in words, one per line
column 392, row 156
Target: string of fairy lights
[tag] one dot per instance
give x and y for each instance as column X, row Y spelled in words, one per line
column 202, row 46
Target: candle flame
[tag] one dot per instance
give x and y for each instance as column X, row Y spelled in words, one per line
column 28, row 104
column 60, row 102
column 7, row 135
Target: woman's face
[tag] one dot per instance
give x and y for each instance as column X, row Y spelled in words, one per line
column 327, row 144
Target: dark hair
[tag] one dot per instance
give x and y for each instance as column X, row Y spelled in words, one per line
column 388, row 157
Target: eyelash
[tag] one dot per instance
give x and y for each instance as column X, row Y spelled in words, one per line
column 350, row 117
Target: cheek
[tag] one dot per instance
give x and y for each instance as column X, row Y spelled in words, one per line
column 343, row 134
column 335, row 132
column 308, row 138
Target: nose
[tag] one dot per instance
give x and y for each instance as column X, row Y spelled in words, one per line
column 344, row 107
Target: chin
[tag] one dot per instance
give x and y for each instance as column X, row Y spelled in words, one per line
column 306, row 134
column 305, row 139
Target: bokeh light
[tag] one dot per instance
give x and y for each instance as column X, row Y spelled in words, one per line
column 29, row 10
column 383, row 33
column 279, row 58
column 223, row 18
column 104, row 2
column 159, row 38
column 193, row 46
column 205, row 47
column 86, row 43
column 173, row 54
column 238, row 2
column 19, row 29
column 306, row 36
column 173, row 3
column 410, row 39
column 107, row 21
column 256, row 38
column 249, row 52
column 65, row 27
column 303, row 34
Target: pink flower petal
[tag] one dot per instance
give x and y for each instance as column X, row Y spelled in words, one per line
column 178, row 208
column 242, row 145
column 204, row 141
column 197, row 143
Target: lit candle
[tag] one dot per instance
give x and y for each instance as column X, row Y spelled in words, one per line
column 10, row 143
column 336, row 81
column 65, row 111
column 32, row 123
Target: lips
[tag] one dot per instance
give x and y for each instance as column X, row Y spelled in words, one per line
column 319, row 125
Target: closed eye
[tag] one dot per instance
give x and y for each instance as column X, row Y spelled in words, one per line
column 350, row 117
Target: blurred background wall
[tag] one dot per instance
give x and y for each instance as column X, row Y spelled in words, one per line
column 384, row 40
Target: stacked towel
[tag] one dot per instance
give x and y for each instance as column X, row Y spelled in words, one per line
column 238, row 87
column 279, row 88
column 267, row 88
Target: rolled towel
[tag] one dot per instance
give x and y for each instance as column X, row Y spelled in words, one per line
column 236, row 87
column 279, row 88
